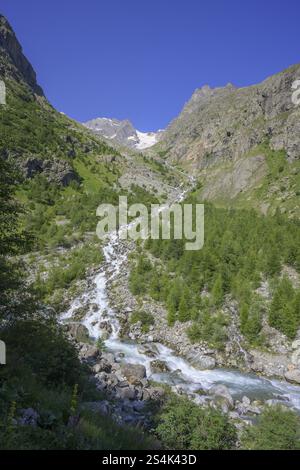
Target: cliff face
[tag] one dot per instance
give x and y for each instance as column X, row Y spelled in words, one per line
column 13, row 62
column 33, row 134
column 235, row 140
column 225, row 123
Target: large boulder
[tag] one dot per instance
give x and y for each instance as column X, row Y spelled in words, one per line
column 157, row 366
column 150, row 350
column 88, row 352
column 126, row 393
column 78, row 332
column 201, row 361
column 153, row 393
column 293, row 375
column 101, row 407
column 105, row 326
column 134, row 373
column 222, row 396
column 296, row 344
column 295, row 358
column 102, row 366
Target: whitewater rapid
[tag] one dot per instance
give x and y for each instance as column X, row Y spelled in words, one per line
column 181, row 373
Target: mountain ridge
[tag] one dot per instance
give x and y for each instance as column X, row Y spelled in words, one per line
column 234, row 140
column 122, row 132
column 19, row 64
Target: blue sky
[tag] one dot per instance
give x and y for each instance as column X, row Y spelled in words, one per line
column 142, row 59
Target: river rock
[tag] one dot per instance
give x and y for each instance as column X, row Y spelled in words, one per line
column 293, row 375
column 101, row 407
column 78, row 332
column 296, row 344
column 153, row 393
column 103, row 366
column 295, row 358
column 201, row 361
column 222, row 396
column 255, row 410
column 157, row 366
column 150, row 350
column 133, row 372
column 126, row 393
column 88, row 351
column 246, row 401
column 123, row 384
column 106, row 326
column 109, row 357
column 112, row 380
column 80, row 312
column 245, row 407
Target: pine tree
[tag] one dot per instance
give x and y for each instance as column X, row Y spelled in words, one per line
column 217, row 292
column 183, row 309
column 273, row 265
column 171, row 317
column 244, row 314
column 172, row 305
column 284, row 310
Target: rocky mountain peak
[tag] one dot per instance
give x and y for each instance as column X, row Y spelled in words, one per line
column 13, row 62
column 122, row 132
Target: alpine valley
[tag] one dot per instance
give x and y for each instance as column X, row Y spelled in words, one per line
column 119, row 344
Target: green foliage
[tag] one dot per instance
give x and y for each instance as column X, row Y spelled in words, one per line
column 30, row 126
column 217, row 292
column 100, row 343
column 182, row 425
column 140, row 276
column 210, row 328
column 61, row 216
column 284, row 311
column 276, row 429
column 41, row 346
column 69, row 268
column 145, row 318
column 14, row 240
column 183, row 307
column 241, row 248
column 74, row 400
column 42, row 372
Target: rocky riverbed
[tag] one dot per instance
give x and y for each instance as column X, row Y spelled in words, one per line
column 135, row 362
column 131, row 395
column 282, row 360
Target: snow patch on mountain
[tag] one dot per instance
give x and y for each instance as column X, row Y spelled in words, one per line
column 123, row 133
column 146, row 139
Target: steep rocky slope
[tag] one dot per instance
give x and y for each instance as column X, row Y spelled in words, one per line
column 243, row 143
column 33, row 133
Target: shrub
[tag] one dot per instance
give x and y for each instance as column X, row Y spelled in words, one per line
column 209, row 328
column 183, row 425
column 276, row 429
column 145, row 318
